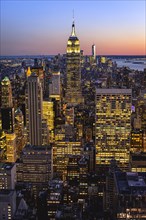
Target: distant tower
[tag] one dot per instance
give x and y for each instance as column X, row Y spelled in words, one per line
column 73, row 94
column 34, row 110
column 94, row 52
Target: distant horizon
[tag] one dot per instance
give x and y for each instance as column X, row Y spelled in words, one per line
column 97, row 55
column 43, row 27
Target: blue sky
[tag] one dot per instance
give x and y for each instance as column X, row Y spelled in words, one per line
column 43, row 27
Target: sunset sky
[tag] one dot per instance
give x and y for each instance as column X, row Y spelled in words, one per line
column 43, row 27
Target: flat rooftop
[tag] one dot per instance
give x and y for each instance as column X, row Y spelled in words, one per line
column 131, row 183
column 6, row 166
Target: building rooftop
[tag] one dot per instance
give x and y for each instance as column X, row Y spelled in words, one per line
column 141, row 156
column 6, row 166
column 29, row 147
column 131, row 183
column 113, row 91
column 6, row 192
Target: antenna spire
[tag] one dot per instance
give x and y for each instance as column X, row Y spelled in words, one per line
column 73, row 16
column 73, row 27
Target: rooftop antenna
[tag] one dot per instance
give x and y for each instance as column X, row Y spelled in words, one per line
column 73, row 27
column 73, row 16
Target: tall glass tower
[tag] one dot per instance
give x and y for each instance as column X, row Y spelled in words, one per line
column 73, row 94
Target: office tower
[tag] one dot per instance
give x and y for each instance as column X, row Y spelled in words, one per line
column 54, row 86
column 7, row 176
column 7, row 204
column 89, row 151
column 69, row 115
column 45, row 132
column 35, row 167
column 7, row 115
column 73, row 94
column 3, row 146
column 11, row 147
column 113, row 126
column 49, row 114
column 39, row 71
column 128, row 200
column 61, row 152
column 138, row 162
column 19, row 130
column 34, row 110
column 136, row 140
column 94, row 52
column 7, row 110
column 54, row 198
column 6, row 93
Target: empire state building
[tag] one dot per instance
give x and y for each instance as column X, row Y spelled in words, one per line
column 73, row 94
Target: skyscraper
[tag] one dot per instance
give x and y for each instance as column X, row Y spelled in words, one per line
column 113, row 126
column 7, row 110
column 73, row 94
column 54, row 86
column 34, row 110
column 6, row 93
column 94, row 52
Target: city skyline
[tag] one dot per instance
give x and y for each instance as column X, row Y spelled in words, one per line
column 43, row 27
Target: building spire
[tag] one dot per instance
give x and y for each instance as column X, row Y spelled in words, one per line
column 73, row 26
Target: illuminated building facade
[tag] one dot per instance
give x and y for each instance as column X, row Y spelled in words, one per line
column 3, row 146
column 113, row 126
column 138, row 162
column 19, row 130
column 34, row 110
column 11, row 147
column 45, row 132
column 7, row 110
column 73, row 94
column 54, row 86
column 6, row 93
column 136, row 140
column 49, row 114
column 7, row 176
column 35, row 167
column 61, row 152
column 69, row 115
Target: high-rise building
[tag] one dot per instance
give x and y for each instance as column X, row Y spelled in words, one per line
column 73, row 94
column 7, row 110
column 49, row 114
column 136, row 140
column 7, row 115
column 113, row 126
column 3, row 146
column 94, row 52
column 8, row 176
column 54, row 86
column 19, row 130
column 11, row 147
column 6, row 93
column 35, row 167
column 34, row 110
